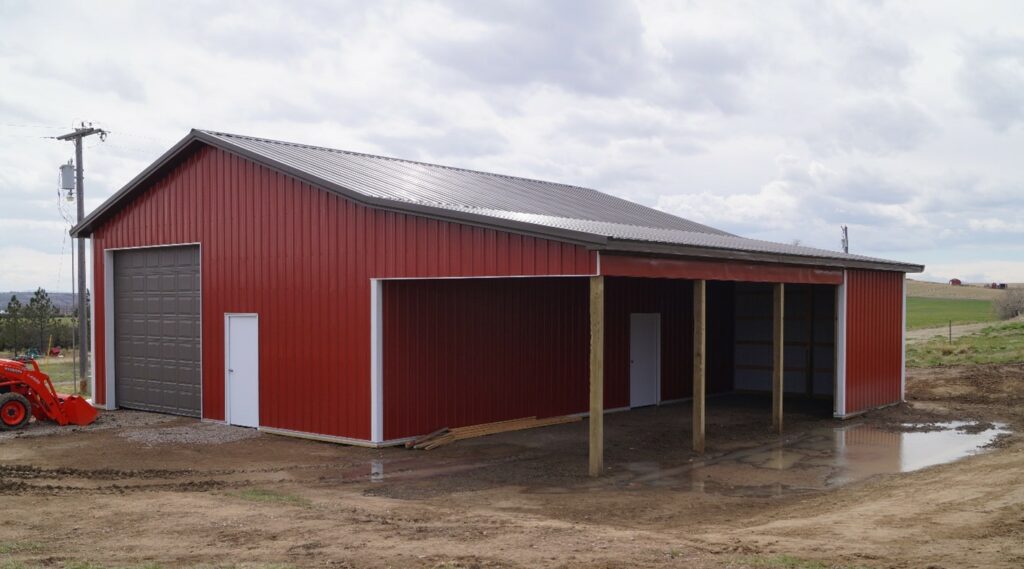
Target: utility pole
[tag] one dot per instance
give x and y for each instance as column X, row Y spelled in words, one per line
column 846, row 240
column 83, row 330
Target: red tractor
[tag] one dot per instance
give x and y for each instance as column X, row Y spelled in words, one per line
column 26, row 392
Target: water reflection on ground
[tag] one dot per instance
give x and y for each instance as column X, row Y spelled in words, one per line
column 821, row 459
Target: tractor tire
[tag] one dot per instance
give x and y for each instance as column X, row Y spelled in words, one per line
column 15, row 411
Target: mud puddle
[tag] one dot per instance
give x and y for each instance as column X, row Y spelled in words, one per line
column 821, row 460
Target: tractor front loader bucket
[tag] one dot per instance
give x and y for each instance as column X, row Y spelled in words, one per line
column 76, row 410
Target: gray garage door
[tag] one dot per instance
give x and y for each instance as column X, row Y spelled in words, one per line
column 156, row 329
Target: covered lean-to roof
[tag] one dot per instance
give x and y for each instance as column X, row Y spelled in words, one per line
column 549, row 209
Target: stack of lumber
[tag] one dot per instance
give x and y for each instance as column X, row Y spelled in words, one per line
column 446, row 436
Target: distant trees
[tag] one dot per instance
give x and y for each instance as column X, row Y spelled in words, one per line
column 41, row 316
column 1011, row 304
column 36, row 324
column 12, row 332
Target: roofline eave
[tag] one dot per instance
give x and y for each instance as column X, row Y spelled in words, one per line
column 668, row 249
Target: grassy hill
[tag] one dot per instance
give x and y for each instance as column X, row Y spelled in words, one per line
column 930, row 305
column 935, row 312
column 921, row 289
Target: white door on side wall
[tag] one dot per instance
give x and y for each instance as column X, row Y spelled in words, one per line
column 242, row 370
column 644, row 359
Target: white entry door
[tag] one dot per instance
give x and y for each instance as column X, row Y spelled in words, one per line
column 644, row 359
column 242, row 373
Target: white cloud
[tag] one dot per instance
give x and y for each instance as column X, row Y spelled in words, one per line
column 27, row 269
column 876, row 125
column 976, row 272
column 776, row 123
column 992, row 78
column 997, row 225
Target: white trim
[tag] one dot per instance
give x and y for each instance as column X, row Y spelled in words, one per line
column 92, row 326
column 840, row 363
column 598, row 264
column 227, row 382
column 108, row 329
column 161, row 246
column 376, row 362
column 903, row 341
column 109, row 356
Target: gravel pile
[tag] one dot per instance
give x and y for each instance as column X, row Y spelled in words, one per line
column 105, row 420
column 194, row 434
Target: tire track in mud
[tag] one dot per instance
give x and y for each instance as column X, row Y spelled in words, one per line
column 27, row 479
column 20, row 487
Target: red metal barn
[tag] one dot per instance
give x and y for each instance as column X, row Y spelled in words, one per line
column 363, row 299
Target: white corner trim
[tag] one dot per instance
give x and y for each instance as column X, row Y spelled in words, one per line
column 108, row 329
column 376, row 362
column 92, row 323
column 840, row 394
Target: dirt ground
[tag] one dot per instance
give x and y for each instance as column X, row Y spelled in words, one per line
column 140, row 489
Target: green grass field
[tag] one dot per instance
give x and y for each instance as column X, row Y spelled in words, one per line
column 935, row 312
column 1001, row 343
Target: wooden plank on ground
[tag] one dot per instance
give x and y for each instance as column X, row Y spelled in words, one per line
column 447, row 436
column 427, row 437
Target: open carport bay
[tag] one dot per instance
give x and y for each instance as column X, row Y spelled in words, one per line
column 177, row 492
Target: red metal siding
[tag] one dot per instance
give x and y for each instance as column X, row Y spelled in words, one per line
column 302, row 258
column 460, row 352
column 738, row 271
column 874, row 338
column 467, row 351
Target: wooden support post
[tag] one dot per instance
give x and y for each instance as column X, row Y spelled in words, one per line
column 699, row 362
column 596, row 375
column 778, row 343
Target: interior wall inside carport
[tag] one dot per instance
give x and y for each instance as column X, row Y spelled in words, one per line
column 809, row 339
column 672, row 299
column 466, row 351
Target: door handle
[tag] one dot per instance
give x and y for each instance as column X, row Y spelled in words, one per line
column 231, row 370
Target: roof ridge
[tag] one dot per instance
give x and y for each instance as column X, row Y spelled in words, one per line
column 418, row 162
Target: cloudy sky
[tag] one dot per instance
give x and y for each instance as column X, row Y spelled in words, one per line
column 905, row 122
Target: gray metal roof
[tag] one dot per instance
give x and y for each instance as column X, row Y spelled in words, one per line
column 558, row 210
column 457, row 188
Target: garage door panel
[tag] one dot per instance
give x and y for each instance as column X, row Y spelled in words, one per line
column 156, row 309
